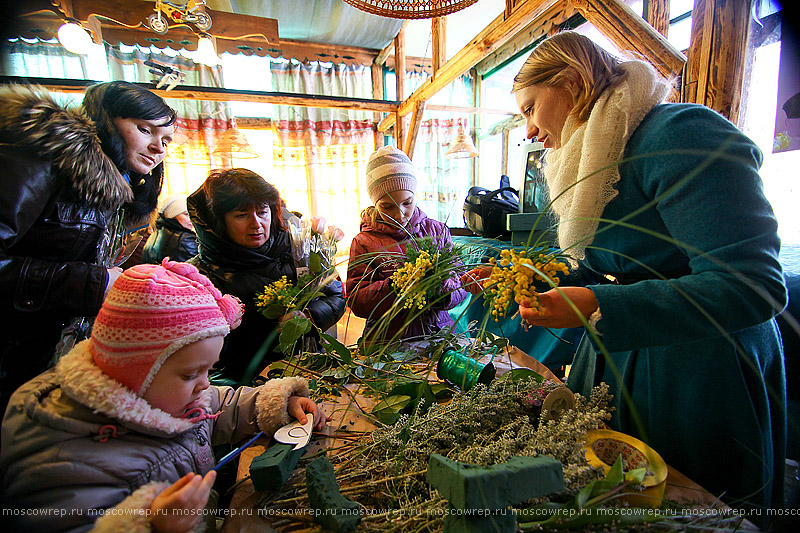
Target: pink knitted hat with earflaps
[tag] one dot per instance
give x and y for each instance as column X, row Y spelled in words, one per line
column 151, row 312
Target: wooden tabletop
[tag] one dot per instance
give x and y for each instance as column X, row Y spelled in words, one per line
column 347, row 420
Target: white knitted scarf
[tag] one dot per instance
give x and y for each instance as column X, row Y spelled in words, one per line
column 581, row 175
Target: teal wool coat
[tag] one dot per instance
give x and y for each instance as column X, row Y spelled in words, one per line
column 699, row 352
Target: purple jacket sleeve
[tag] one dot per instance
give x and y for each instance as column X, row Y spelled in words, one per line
column 452, row 293
column 368, row 287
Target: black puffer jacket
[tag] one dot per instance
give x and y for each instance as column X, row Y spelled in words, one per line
column 170, row 239
column 59, row 191
column 244, row 272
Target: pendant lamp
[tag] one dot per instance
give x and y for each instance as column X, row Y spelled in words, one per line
column 234, row 144
column 74, row 38
column 462, row 146
column 406, row 9
column 206, row 52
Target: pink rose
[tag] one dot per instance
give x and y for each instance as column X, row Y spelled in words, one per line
column 336, row 233
column 318, row 224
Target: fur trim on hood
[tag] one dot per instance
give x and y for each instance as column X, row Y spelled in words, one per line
column 273, row 401
column 82, row 380
column 133, row 513
column 31, row 118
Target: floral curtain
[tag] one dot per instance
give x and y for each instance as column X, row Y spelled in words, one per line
column 320, row 155
column 306, row 126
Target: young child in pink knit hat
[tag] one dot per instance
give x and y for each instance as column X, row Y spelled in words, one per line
column 119, row 433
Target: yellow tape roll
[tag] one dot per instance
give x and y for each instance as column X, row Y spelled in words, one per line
column 603, row 446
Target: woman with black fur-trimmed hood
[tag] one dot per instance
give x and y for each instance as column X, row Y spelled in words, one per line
column 74, row 183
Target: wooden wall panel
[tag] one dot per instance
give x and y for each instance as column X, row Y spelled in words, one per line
column 658, row 15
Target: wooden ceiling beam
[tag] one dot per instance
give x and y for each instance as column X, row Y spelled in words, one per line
column 628, row 31
column 413, row 129
column 380, row 59
column 124, row 21
column 217, row 94
column 439, row 40
column 542, row 26
column 492, row 37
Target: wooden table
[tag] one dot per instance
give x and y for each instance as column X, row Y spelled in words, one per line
column 346, row 417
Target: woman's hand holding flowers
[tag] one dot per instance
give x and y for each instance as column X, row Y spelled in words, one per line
column 555, row 310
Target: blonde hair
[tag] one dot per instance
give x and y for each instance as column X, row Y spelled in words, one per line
column 570, row 56
column 373, row 214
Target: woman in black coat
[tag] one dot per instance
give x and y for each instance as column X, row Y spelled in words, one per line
column 74, row 182
column 243, row 246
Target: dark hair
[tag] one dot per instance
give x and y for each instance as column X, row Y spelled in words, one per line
column 232, row 189
column 119, row 99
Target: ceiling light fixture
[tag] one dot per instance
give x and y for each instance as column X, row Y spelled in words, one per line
column 206, row 51
column 234, row 144
column 417, row 9
column 462, row 146
column 74, row 37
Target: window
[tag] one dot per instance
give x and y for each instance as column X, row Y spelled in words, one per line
column 757, row 118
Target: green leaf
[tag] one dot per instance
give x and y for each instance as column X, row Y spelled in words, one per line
column 636, row 475
column 388, row 409
column 335, row 375
column 336, row 347
column 408, row 388
column 274, row 311
column 584, row 495
column 424, row 392
column 615, row 475
column 500, row 342
column 292, row 330
column 522, row 374
column 441, row 391
column 314, row 263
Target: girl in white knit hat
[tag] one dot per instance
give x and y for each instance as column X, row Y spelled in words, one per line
column 386, row 228
column 119, row 434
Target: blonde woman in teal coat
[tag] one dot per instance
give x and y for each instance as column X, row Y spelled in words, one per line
column 675, row 245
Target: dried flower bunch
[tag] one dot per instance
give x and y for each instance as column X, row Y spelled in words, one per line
column 486, row 425
column 515, row 276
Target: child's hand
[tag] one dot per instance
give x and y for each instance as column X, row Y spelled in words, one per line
column 239, row 316
column 298, row 406
column 473, row 280
column 180, row 506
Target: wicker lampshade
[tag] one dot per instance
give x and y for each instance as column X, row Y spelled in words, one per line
column 410, row 9
column 462, row 146
column 234, row 144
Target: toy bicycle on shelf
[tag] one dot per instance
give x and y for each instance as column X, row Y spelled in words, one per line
column 178, row 13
